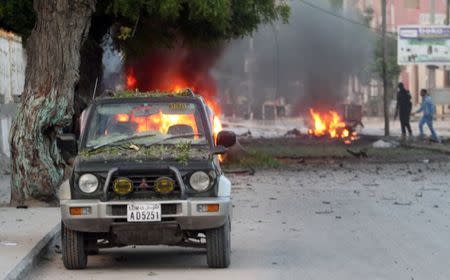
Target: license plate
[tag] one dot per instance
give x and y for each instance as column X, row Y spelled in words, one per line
column 144, row 212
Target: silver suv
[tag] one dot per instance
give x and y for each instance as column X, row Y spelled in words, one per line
column 147, row 173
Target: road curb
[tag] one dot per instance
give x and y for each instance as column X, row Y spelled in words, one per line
column 25, row 266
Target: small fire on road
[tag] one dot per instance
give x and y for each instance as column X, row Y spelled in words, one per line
column 330, row 124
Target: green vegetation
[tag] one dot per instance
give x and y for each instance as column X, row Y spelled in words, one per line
column 393, row 69
column 182, row 153
column 140, row 24
column 282, row 153
column 130, row 93
column 255, row 158
column 17, row 16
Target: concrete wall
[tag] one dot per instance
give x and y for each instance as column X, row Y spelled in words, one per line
column 6, row 115
column 12, row 78
column 12, row 66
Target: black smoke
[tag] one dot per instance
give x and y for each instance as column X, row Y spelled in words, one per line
column 307, row 61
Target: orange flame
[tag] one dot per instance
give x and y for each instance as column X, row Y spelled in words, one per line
column 131, row 79
column 330, row 124
column 161, row 121
column 178, row 85
column 122, row 117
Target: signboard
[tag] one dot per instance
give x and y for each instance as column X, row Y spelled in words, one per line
column 429, row 45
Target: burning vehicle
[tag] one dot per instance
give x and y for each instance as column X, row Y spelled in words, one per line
column 334, row 125
column 148, row 173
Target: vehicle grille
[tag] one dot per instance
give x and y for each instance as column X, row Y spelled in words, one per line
column 166, row 209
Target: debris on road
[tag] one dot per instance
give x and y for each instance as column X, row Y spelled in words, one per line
column 371, row 184
column 249, row 171
column 358, row 154
column 246, row 134
column 325, row 212
column 8, row 243
column 305, row 216
column 381, row 144
column 403, row 203
column 293, row 133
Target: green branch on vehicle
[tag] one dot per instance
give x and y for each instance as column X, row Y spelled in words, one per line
column 131, row 93
column 181, row 152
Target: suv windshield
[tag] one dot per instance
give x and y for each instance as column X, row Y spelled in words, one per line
column 145, row 124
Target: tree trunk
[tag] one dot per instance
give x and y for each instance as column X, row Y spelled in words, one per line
column 91, row 63
column 53, row 58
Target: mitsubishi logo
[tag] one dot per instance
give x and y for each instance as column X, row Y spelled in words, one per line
column 143, row 184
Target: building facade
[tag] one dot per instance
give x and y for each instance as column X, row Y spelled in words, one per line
column 411, row 12
column 12, row 79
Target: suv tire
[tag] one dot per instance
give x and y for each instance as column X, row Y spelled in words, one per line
column 73, row 248
column 218, row 246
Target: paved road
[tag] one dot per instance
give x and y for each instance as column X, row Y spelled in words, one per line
column 351, row 222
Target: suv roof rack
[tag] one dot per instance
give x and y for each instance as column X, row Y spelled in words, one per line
column 189, row 92
column 108, row 93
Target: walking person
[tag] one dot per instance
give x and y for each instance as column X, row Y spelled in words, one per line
column 428, row 109
column 403, row 109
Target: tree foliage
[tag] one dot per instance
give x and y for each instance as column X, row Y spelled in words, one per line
column 139, row 24
column 393, row 70
column 17, row 16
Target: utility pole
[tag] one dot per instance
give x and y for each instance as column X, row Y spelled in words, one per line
column 432, row 68
column 446, row 72
column 249, row 68
column 385, row 78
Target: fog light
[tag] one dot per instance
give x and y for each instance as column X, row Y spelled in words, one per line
column 164, row 185
column 80, row 211
column 208, row 208
column 122, row 186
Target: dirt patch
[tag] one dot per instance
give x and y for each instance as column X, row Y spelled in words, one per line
column 282, row 152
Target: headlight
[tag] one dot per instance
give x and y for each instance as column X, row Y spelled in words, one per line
column 88, row 183
column 199, row 181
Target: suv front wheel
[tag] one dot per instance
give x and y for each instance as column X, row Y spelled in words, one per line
column 218, row 246
column 73, row 248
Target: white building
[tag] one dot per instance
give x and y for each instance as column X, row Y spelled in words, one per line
column 12, row 78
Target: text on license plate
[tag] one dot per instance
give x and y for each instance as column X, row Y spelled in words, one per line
column 144, row 212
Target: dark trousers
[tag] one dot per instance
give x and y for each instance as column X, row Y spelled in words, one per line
column 404, row 123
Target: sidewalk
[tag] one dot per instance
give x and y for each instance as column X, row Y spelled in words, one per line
column 375, row 126
column 372, row 126
column 24, row 235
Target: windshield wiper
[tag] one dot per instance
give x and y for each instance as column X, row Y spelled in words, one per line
column 123, row 139
column 175, row 137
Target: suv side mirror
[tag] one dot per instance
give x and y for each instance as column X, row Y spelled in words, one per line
column 226, row 138
column 67, row 143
